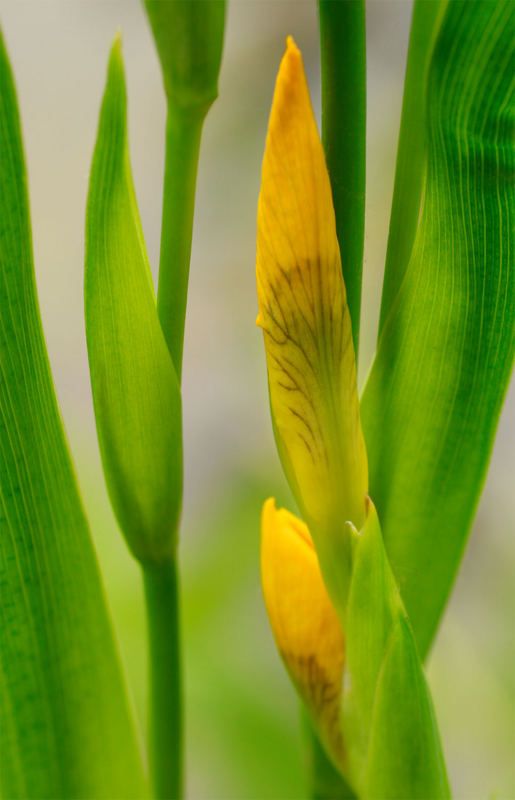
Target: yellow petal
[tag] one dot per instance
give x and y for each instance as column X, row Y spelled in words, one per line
column 304, row 315
column 305, row 626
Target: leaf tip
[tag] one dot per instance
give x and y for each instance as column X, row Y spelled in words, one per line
column 115, row 71
column 114, row 103
column 116, row 47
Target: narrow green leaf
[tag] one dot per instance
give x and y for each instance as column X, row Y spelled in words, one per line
column 344, row 102
column 66, row 730
column 183, row 133
column 411, row 152
column 432, row 401
column 390, row 732
column 135, row 389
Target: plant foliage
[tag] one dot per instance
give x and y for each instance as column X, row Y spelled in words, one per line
column 444, row 358
column 66, row 728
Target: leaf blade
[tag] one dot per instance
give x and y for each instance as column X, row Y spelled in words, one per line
column 66, row 729
column 433, row 398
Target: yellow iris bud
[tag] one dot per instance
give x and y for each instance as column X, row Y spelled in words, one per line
column 305, row 625
column 307, row 329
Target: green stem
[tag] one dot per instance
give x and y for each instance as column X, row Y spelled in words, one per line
column 411, row 155
column 342, row 45
column 165, row 697
column 183, row 132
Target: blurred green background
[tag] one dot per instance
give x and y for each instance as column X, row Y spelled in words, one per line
column 242, row 731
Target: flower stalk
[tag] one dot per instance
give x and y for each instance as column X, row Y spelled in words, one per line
column 189, row 39
column 183, row 133
column 165, row 684
column 344, row 101
column 135, row 346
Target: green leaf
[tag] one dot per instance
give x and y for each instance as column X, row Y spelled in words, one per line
column 433, row 398
column 135, row 389
column 390, row 731
column 66, row 730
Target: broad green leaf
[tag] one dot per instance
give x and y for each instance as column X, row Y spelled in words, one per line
column 390, row 732
column 66, row 730
column 432, row 401
column 135, row 389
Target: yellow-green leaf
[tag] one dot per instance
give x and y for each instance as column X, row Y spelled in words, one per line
column 135, row 389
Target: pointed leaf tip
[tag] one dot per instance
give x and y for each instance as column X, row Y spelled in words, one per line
column 115, row 66
column 117, row 41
